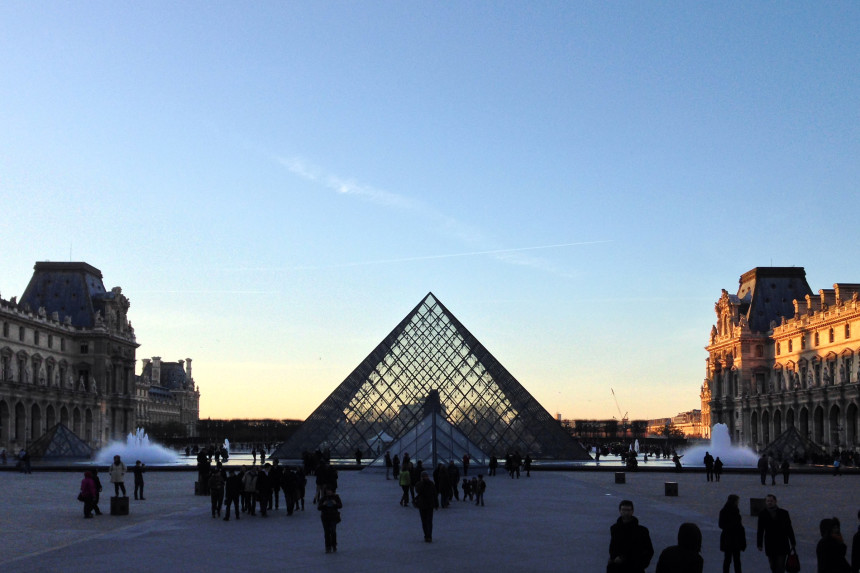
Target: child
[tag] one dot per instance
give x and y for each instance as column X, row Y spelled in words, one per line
column 467, row 489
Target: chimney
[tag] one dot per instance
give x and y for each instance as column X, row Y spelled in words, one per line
column 156, row 370
column 188, row 367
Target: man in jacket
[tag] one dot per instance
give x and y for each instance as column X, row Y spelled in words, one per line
column 426, row 500
column 775, row 531
column 117, row 476
column 630, row 548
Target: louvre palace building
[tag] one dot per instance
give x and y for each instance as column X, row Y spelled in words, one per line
column 67, row 355
column 781, row 356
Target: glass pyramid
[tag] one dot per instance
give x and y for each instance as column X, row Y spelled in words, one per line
column 433, row 440
column 59, row 442
column 385, row 396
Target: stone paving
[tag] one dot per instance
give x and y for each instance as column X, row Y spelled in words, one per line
column 552, row 521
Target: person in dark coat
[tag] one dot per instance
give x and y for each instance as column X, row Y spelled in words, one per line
column 774, row 534
column 831, row 549
column 329, row 506
column 454, row 479
column 630, row 548
column 684, row 557
column 733, row 538
column 138, row 470
column 264, row 489
column 427, row 502
column 718, row 468
column 443, row 486
column 388, row 465
column 762, row 469
column 275, row 480
column 98, row 483
column 232, row 493
column 786, row 469
column 709, row 466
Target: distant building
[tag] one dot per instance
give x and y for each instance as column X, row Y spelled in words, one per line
column 781, row 356
column 67, row 354
column 689, row 423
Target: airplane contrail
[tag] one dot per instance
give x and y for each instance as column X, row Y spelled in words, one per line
column 426, row 257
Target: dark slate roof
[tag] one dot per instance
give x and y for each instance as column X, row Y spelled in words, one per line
column 767, row 294
column 173, row 376
column 66, row 288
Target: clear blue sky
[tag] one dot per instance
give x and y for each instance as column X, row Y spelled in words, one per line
column 276, row 184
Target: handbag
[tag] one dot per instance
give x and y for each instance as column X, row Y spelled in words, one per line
column 80, row 496
column 792, row 562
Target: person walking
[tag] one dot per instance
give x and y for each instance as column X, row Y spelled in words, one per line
column 264, row 488
column 775, row 534
column 786, row 468
column 329, row 506
column 405, row 480
column 88, row 494
column 117, row 472
column 630, row 548
column 395, row 466
column 388, row 465
column 249, row 490
column 733, row 537
column 762, row 469
column 831, row 549
column 684, row 557
column 98, row 483
column 427, row 502
column 138, row 470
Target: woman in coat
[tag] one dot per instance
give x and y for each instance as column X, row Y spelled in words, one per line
column 88, row 494
column 733, row 538
column 831, row 549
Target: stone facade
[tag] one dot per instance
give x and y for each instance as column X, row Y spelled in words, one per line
column 67, row 354
column 781, row 356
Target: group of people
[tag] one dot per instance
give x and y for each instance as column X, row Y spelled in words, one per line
column 91, row 485
column 631, row 551
column 769, row 464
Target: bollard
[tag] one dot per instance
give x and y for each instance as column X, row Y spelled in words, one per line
column 119, row 505
column 620, row 477
column 671, row 488
column 756, row 505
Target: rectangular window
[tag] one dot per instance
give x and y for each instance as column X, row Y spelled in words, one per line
column 36, row 334
column 21, row 333
column 847, row 331
column 831, row 335
column 5, row 330
column 817, row 341
column 790, row 345
column 50, row 341
column 802, row 341
column 778, row 349
column 85, row 348
column 62, row 344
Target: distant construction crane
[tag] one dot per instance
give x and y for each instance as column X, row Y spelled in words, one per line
column 624, row 415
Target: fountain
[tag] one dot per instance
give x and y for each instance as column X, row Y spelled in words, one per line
column 721, row 446
column 137, row 446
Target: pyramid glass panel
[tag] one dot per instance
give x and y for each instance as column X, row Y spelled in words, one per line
column 430, row 350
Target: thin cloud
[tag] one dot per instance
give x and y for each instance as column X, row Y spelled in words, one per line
column 445, row 225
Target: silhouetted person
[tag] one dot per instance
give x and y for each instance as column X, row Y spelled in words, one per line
column 684, row 557
column 138, row 470
column 831, row 549
column 775, row 534
column 709, row 466
column 425, row 499
column 718, row 468
column 117, row 476
column 630, row 548
column 232, row 492
column 329, row 506
column 733, row 538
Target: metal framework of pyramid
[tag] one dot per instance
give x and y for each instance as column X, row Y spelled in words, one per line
column 433, row 440
column 59, row 442
column 790, row 445
column 431, row 350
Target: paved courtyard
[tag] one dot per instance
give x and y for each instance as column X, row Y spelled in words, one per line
column 552, row 521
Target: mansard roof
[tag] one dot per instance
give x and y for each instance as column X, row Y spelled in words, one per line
column 173, row 375
column 68, row 289
column 769, row 293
